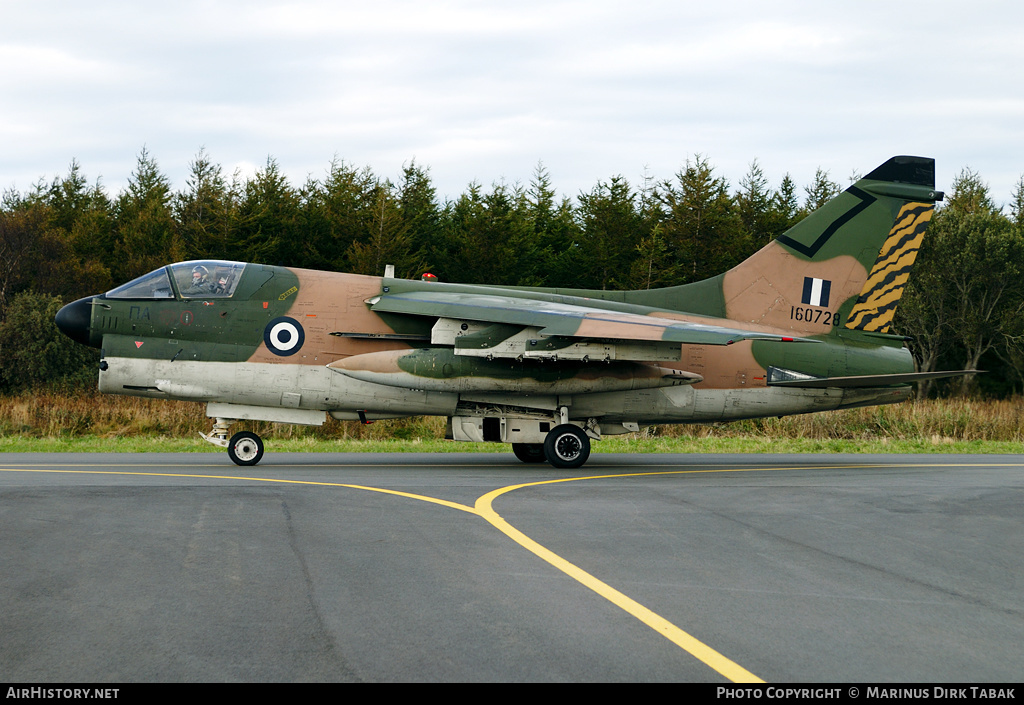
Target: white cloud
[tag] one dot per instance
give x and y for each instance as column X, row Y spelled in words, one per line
column 483, row 90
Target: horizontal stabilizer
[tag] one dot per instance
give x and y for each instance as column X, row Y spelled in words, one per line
column 785, row 378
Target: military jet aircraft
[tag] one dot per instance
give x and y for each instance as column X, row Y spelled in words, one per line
column 803, row 325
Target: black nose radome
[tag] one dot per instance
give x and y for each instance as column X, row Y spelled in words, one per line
column 73, row 320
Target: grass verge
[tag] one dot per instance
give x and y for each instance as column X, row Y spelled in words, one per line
column 50, row 422
column 733, row 444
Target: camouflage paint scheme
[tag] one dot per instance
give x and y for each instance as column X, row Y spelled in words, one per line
column 802, row 325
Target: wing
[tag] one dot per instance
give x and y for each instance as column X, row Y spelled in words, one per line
column 496, row 325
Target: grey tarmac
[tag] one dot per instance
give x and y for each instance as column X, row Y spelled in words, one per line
column 394, row 568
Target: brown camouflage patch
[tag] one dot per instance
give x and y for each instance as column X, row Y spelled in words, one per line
column 767, row 289
column 723, row 367
column 329, row 302
column 597, row 326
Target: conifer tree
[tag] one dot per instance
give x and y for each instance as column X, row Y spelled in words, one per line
column 821, row 191
column 420, row 212
column 555, row 227
column 1017, row 204
column 702, row 229
column 611, row 230
column 337, row 213
column 206, row 212
column 489, row 238
column 387, row 239
column 785, row 208
column 268, row 220
column 146, row 232
column 754, row 204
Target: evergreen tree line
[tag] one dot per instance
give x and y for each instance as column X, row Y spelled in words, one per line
column 67, row 238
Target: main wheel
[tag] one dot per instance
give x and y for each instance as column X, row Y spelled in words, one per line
column 567, row 446
column 245, row 448
column 529, row 452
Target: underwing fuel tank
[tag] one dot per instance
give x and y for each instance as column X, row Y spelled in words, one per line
column 439, row 369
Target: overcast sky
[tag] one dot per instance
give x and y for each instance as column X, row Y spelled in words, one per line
column 486, row 90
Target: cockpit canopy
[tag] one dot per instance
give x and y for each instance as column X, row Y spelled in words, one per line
column 198, row 279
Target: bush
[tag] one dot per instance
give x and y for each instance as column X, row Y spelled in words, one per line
column 35, row 354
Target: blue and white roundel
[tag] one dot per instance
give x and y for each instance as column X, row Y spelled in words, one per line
column 284, row 336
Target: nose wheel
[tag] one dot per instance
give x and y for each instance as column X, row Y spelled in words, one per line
column 245, row 448
column 567, row 446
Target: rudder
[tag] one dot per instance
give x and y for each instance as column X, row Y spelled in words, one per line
column 876, row 305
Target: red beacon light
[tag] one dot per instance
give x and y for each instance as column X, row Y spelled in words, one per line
column 428, row 277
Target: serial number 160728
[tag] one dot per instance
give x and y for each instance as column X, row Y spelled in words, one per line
column 814, row 315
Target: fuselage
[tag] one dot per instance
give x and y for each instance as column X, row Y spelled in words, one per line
column 300, row 343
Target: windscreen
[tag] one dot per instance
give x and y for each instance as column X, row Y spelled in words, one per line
column 155, row 285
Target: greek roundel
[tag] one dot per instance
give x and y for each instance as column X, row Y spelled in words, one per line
column 284, row 336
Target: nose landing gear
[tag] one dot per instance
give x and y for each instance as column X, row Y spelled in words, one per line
column 245, row 447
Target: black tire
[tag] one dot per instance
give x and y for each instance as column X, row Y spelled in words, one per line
column 567, row 446
column 245, row 448
column 529, row 452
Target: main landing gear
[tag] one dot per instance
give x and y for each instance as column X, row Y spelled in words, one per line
column 566, row 446
column 529, row 452
column 244, row 448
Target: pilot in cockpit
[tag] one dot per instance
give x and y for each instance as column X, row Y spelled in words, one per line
column 200, row 282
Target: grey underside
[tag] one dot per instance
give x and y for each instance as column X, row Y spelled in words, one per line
column 304, row 394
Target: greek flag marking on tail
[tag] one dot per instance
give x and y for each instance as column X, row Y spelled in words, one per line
column 816, row 291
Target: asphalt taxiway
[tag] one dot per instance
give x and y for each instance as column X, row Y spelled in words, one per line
column 465, row 567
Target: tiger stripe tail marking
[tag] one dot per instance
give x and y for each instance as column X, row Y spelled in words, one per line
column 876, row 304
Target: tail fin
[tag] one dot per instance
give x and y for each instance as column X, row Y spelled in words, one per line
column 845, row 264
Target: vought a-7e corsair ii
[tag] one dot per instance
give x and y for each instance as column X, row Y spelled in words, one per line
column 803, row 325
